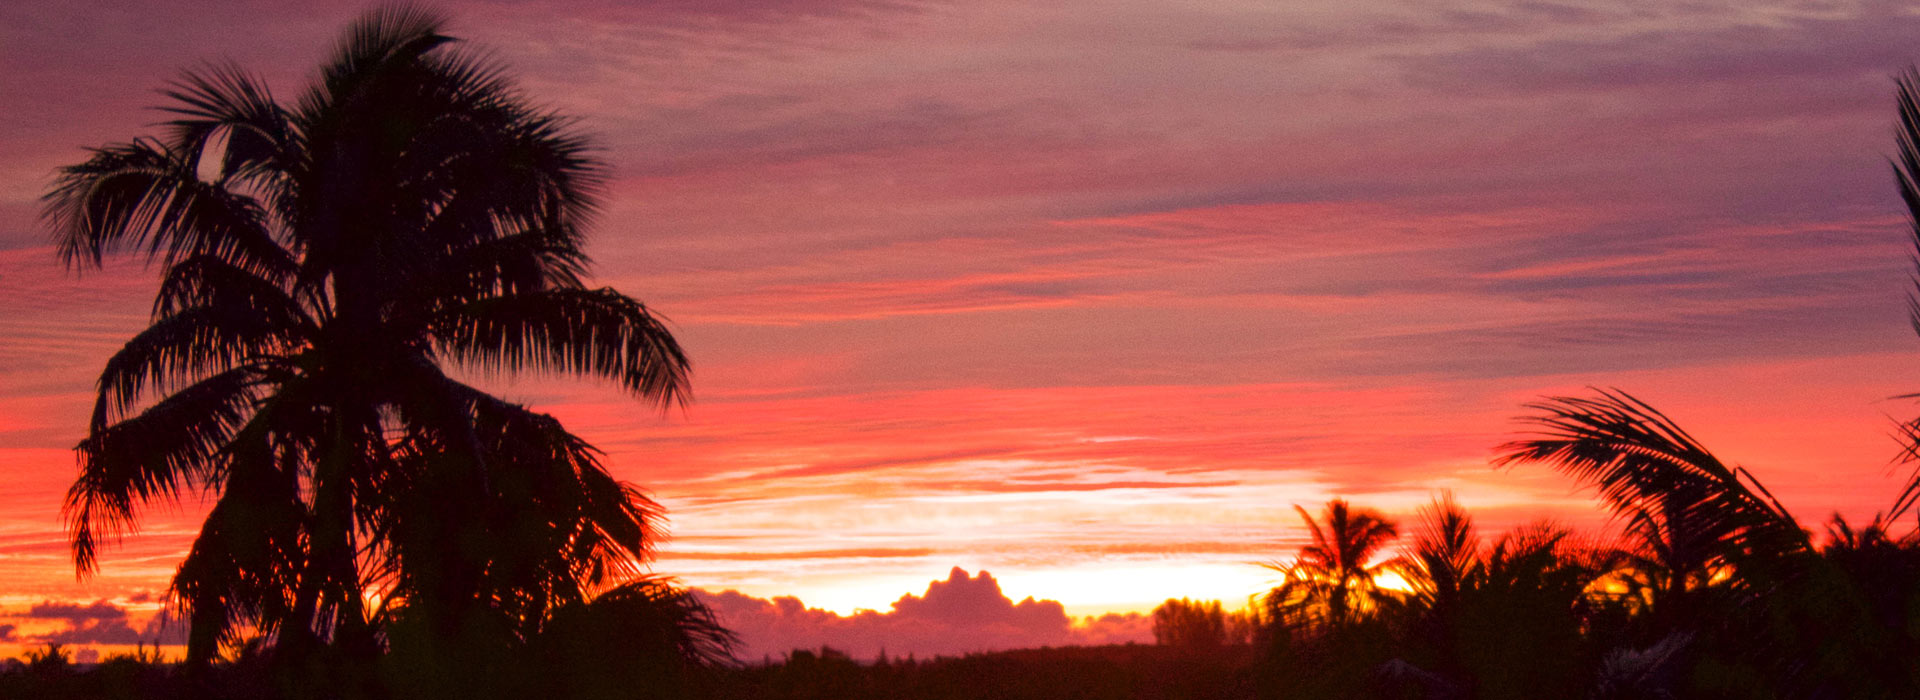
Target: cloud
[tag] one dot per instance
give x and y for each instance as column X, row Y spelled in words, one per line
column 98, row 622
column 1374, row 29
column 94, row 632
column 962, row 600
column 855, row 553
column 965, row 613
column 1114, row 628
column 157, row 630
column 1820, row 48
column 1030, row 485
column 75, row 612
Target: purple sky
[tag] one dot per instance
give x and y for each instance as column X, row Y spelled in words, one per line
column 1089, row 294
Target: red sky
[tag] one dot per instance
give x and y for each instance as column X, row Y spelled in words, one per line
column 1089, row 294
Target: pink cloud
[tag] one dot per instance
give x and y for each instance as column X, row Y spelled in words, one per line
column 84, row 623
column 965, row 613
column 75, row 612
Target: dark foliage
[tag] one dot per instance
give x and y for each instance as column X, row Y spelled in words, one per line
column 1127, row 672
column 327, row 263
column 1197, row 626
column 1711, row 590
column 1124, row 672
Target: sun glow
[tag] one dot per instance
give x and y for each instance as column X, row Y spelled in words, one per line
column 1393, row 581
column 1138, row 587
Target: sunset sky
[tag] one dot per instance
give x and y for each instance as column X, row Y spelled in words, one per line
column 1088, row 295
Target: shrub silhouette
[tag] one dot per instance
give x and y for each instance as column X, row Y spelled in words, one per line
column 1188, row 624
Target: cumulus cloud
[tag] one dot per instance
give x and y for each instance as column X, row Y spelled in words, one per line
column 1113, row 628
column 75, row 612
column 98, row 622
column 95, row 632
column 965, row 613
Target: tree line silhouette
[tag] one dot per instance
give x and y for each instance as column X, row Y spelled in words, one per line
column 381, row 529
column 1710, row 590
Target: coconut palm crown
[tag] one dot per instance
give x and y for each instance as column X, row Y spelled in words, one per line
column 326, row 264
column 1335, row 578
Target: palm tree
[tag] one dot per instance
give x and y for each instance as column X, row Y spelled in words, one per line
column 326, row 262
column 1444, row 556
column 1476, row 607
column 1906, row 174
column 647, row 638
column 1335, row 579
column 1691, row 517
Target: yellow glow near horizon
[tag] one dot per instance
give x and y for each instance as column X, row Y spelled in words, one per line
column 1088, row 588
column 1393, row 581
column 1137, row 587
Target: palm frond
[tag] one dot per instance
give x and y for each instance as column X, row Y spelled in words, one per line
column 224, row 100
column 143, row 195
column 1445, row 549
column 491, row 167
column 1640, row 461
column 606, row 526
column 655, row 606
column 386, row 37
column 149, row 455
column 190, row 344
column 212, row 281
column 1906, row 173
column 528, row 261
column 1526, row 550
column 249, row 555
column 1909, row 437
column 556, row 524
column 645, row 634
column 599, row 333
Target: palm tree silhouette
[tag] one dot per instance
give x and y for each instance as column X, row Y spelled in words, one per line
column 1445, row 554
column 1690, row 516
column 325, row 264
column 1335, row 578
column 1906, row 174
column 1477, row 606
column 1727, row 571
